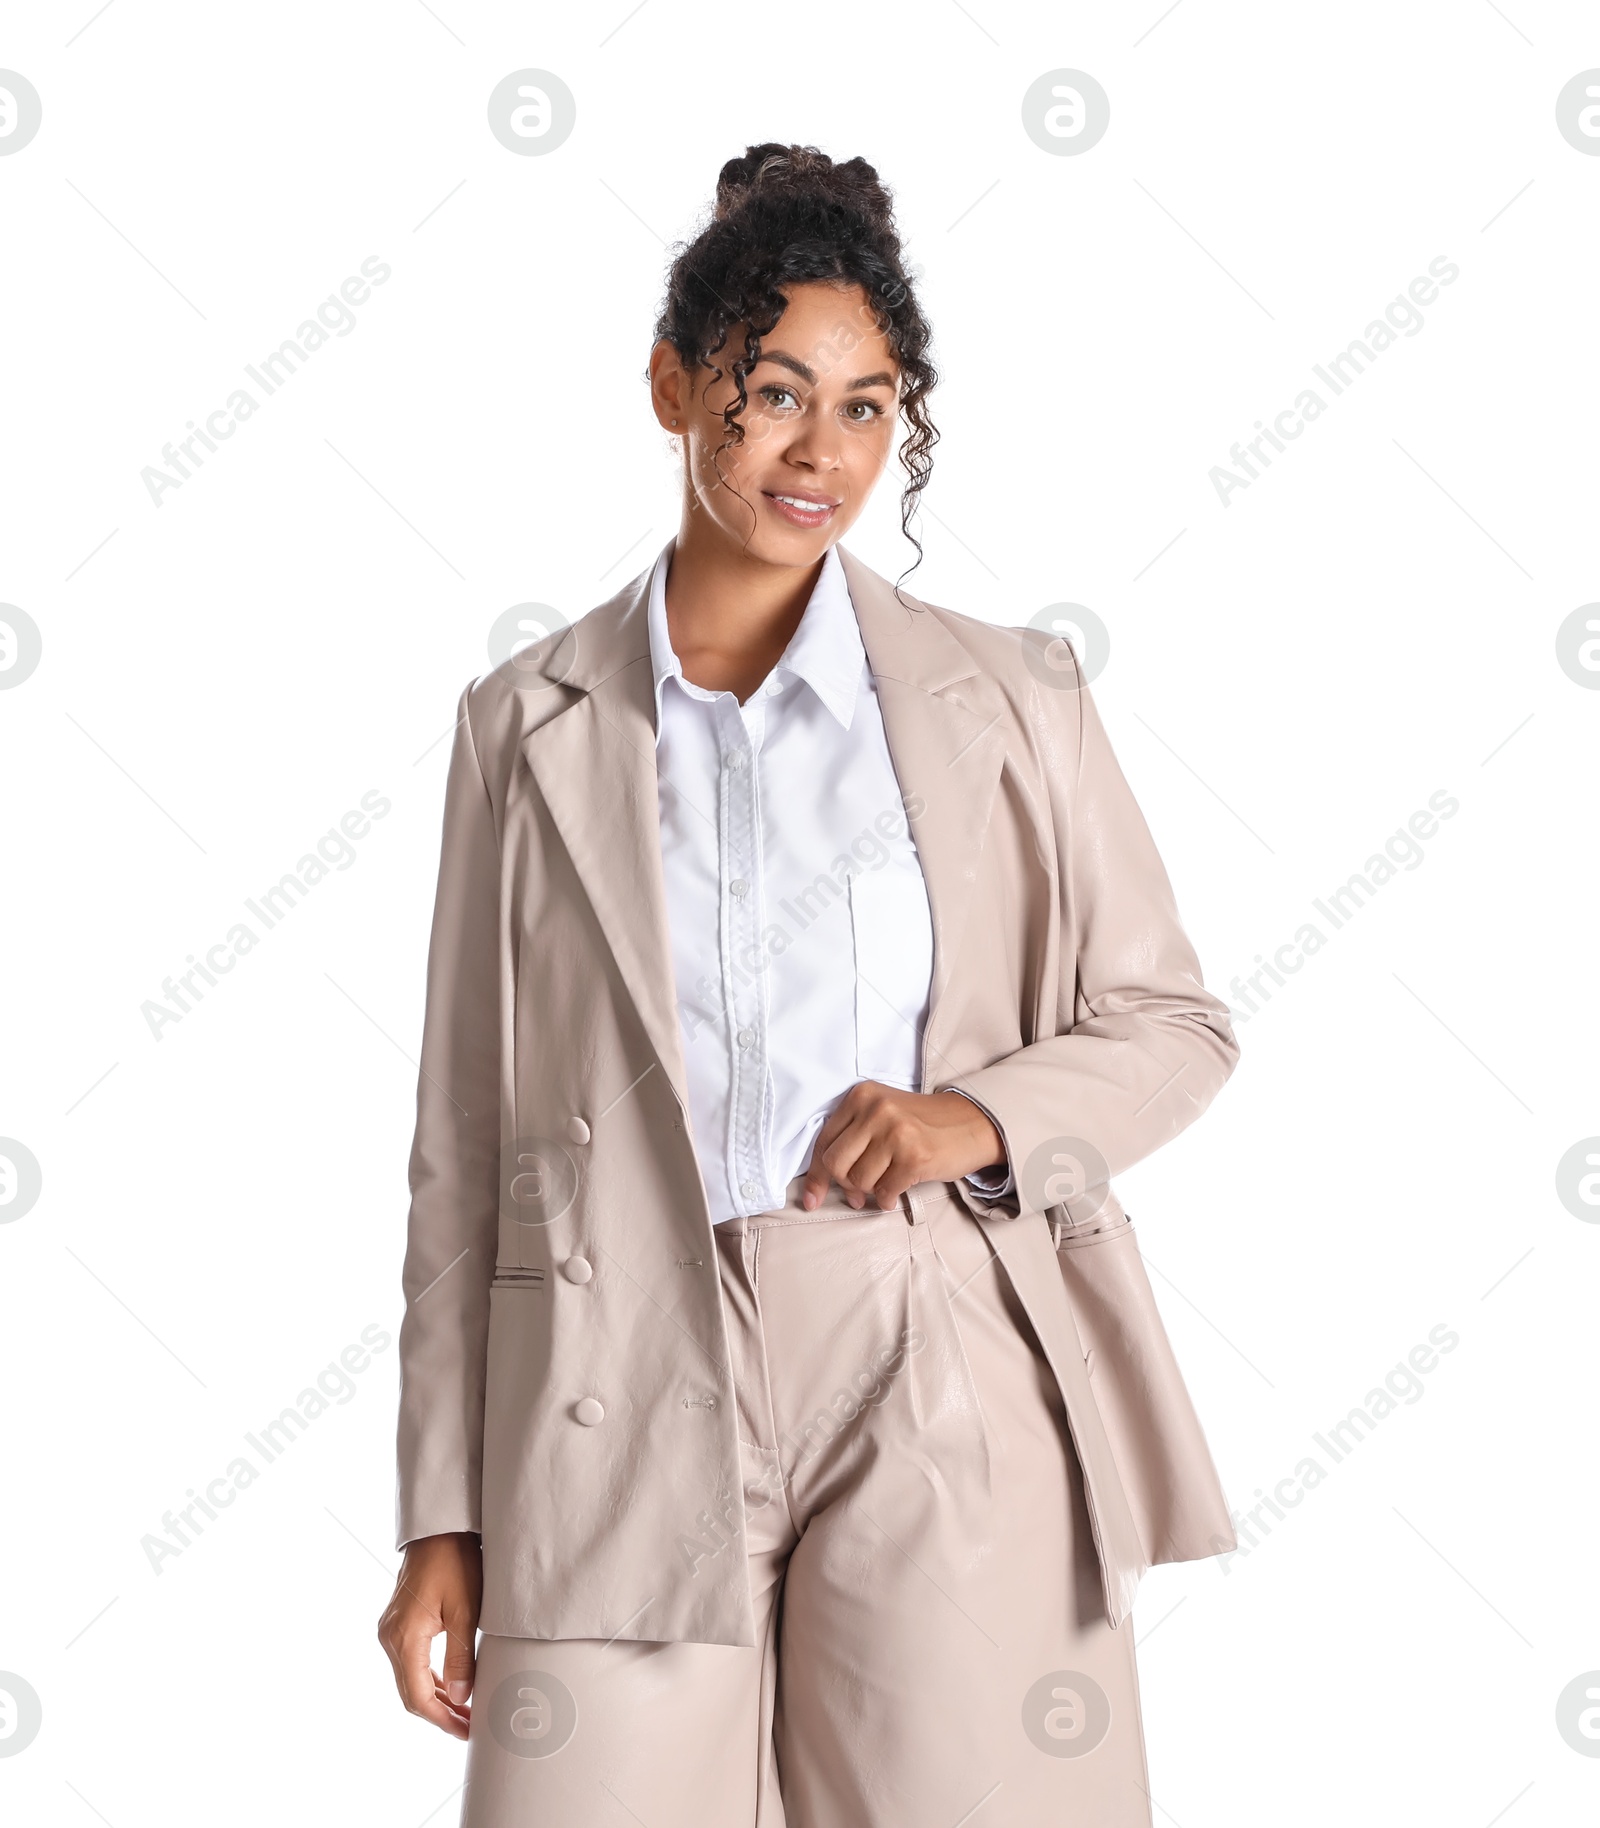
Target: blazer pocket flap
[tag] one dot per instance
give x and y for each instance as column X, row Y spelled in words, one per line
column 1091, row 1219
column 1156, row 1439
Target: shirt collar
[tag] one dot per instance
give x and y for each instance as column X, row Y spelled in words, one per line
column 826, row 649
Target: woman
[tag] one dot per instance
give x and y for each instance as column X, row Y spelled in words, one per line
column 782, row 1397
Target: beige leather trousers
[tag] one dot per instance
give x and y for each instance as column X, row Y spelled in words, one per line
column 932, row 1649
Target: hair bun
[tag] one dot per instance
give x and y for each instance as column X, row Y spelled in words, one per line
column 772, row 167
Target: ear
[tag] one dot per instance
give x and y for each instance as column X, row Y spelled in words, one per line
column 670, row 393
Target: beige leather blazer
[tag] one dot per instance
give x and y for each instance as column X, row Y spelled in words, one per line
column 565, row 1388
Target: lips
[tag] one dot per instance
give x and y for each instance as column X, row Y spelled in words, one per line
column 801, row 510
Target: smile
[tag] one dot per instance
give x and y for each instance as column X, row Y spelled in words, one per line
column 803, row 510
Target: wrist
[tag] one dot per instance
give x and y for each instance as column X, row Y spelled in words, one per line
column 993, row 1179
column 988, row 1149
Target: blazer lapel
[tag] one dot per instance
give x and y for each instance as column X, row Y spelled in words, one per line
column 947, row 751
column 595, row 765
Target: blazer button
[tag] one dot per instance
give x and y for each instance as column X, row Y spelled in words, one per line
column 577, row 1130
column 589, row 1412
column 577, row 1269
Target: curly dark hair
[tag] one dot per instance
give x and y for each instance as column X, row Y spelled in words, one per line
column 784, row 215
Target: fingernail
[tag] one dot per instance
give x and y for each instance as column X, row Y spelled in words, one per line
column 458, row 1692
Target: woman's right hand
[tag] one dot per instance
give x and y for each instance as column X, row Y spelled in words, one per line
column 440, row 1588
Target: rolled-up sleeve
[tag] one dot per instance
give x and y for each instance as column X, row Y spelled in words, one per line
column 993, row 1183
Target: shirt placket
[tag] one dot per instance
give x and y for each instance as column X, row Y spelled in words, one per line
column 744, row 986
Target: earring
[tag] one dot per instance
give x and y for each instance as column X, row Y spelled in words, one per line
column 674, row 422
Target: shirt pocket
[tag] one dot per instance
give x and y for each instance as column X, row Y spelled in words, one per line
column 892, row 928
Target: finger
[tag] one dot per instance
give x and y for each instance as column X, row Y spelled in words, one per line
column 813, row 1187
column 413, row 1666
column 865, row 1149
column 872, row 1168
column 894, row 1181
column 905, row 1165
column 437, row 1708
column 842, row 1155
column 419, row 1686
column 457, row 1721
column 458, row 1657
column 815, row 1183
column 818, row 1178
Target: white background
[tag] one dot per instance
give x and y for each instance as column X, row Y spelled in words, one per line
column 1292, row 675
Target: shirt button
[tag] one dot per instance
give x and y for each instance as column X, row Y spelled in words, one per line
column 774, row 686
column 577, row 1269
column 578, row 1130
column 748, row 1189
column 736, row 760
column 589, row 1412
column 746, row 1037
column 739, row 887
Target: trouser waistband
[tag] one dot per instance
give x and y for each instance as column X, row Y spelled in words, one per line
column 915, row 1206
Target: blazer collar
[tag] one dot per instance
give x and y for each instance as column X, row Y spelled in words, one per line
column 905, row 644
column 594, row 763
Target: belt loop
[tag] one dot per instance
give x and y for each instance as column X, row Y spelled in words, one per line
column 917, row 1200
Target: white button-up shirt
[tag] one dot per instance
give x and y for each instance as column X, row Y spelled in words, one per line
column 802, row 941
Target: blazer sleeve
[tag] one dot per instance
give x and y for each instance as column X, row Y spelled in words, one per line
column 1142, row 1047
column 452, row 1231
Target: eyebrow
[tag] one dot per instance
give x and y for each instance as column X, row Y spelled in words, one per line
column 795, row 366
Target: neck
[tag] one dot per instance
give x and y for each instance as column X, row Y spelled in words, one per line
column 730, row 614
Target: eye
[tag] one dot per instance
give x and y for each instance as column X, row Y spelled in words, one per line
column 874, row 410
column 775, row 388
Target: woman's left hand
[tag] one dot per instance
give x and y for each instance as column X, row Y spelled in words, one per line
column 879, row 1140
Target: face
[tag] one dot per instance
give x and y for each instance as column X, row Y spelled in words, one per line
column 819, row 426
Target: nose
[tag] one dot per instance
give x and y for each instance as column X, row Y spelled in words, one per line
column 814, row 444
